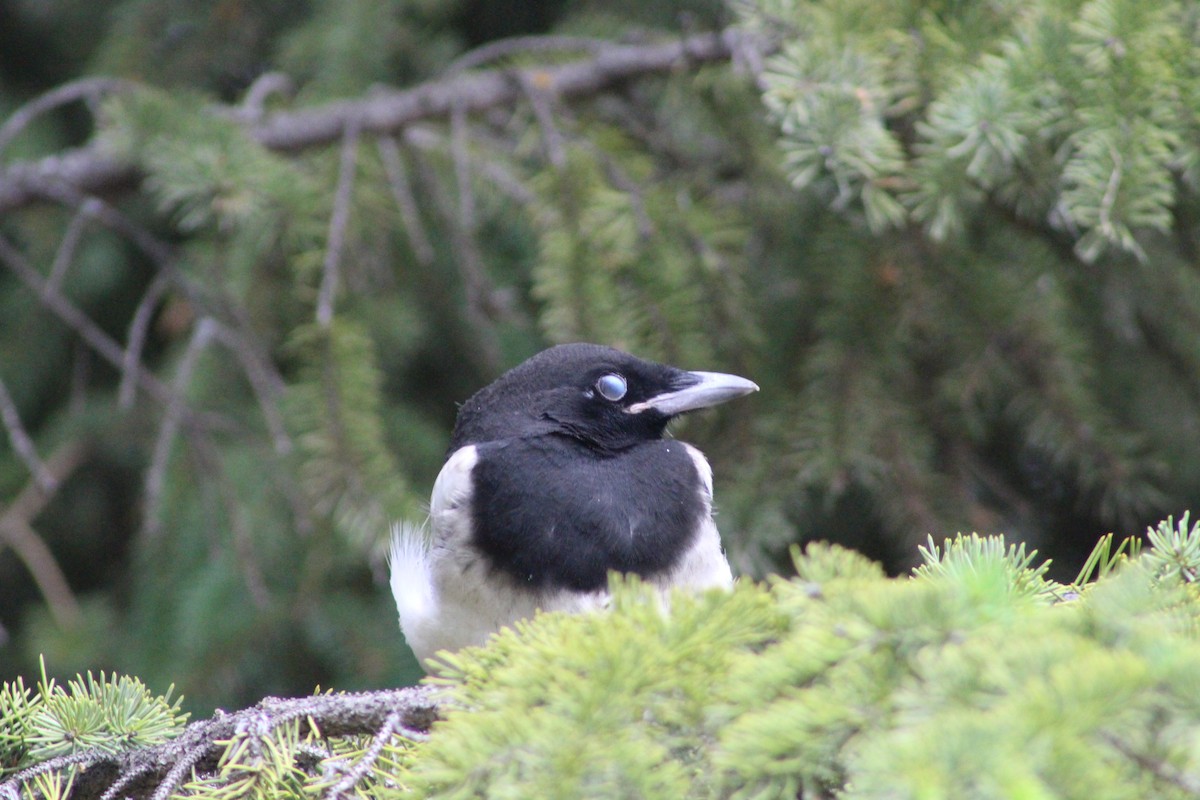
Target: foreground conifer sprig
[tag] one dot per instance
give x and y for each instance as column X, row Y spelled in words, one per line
column 971, row 679
column 975, row 677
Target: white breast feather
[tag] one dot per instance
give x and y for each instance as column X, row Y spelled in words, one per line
column 448, row 599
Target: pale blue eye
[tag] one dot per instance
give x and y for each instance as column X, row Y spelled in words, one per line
column 611, row 387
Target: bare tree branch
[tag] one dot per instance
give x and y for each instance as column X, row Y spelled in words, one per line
column 356, row 773
column 172, row 419
column 337, row 223
column 66, row 248
column 410, row 214
column 17, row 531
column 138, row 328
column 520, row 45
column 159, row 771
column 476, row 91
column 265, row 382
column 91, row 170
column 85, row 89
column 75, row 319
column 254, row 104
column 95, row 170
column 539, row 100
column 22, row 444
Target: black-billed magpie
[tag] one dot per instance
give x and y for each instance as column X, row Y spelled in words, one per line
column 557, row 473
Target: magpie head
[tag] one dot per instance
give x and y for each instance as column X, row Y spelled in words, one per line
column 607, row 399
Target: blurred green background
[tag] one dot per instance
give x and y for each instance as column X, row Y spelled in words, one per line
column 954, row 242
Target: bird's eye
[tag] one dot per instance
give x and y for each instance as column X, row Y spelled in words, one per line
column 612, row 387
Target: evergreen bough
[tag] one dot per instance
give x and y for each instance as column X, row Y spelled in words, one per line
column 975, row 677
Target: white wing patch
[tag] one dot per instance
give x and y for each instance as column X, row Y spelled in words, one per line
column 452, row 489
column 704, row 565
column 705, row 470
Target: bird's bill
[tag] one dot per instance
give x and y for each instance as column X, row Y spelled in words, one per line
column 703, row 389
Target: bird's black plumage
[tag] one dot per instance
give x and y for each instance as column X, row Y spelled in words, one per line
column 551, row 512
column 557, row 474
column 554, row 393
column 569, row 484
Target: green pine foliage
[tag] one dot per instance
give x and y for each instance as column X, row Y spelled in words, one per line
column 345, row 468
column 108, row 714
column 954, row 242
column 976, row 676
column 1000, row 189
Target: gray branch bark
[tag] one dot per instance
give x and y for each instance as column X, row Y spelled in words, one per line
column 94, row 171
column 151, row 772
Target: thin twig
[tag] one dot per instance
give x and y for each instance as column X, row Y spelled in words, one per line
column 425, row 139
column 254, row 104
column 243, row 547
column 1159, row 768
column 538, row 100
column 138, row 329
column 410, row 214
column 70, row 241
column 519, row 45
column 75, row 319
column 462, row 170
column 49, row 577
column 337, row 223
column 174, row 777
column 17, row 530
column 81, row 371
column 617, row 177
column 475, row 280
column 114, row 791
column 360, row 769
column 110, row 217
column 169, row 429
column 471, row 272
column 265, row 382
column 85, row 757
column 263, row 379
column 21, row 442
column 84, row 89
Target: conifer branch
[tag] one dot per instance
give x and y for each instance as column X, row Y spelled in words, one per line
column 78, row 321
column 94, row 169
column 359, row 771
column 138, row 329
column 520, row 45
column 22, row 445
column 337, row 223
column 265, row 382
column 70, row 241
column 17, row 531
column 473, row 279
column 552, row 138
column 89, row 89
column 169, row 429
column 1157, row 767
column 160, row 770
column 410, row 214
column 472, row 92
